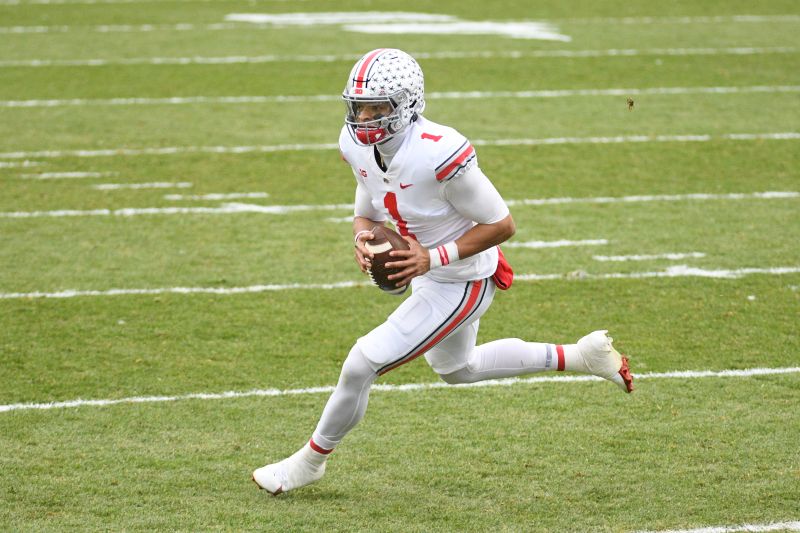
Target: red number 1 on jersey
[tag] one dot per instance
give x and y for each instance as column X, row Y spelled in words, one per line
column 390, row 203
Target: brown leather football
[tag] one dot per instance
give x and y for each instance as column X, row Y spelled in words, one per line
column 384, row 242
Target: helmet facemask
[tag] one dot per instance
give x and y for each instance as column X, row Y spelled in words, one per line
column 389, row 115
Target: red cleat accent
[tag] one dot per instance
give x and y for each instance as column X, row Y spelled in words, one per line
column 627, row 377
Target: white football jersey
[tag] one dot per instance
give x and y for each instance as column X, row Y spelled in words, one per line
column 411, row 192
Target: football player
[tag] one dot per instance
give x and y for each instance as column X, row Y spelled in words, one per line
column 424, row 177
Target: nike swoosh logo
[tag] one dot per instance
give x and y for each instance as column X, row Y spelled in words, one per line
column 404, row 186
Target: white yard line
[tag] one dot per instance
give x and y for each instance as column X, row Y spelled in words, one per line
column 671, row 272
column 66, row 175
column 19, row 164
column 555, row 244
column 767, row 195
column 173, row 150
column 456, row 54
column 338, row 18
column 410, row 387
column 217, row 196
column 236, row 208
column 649, row 257
column 154, row 185
column 750, row 528
column 462, row 95
column 181, row 100
column 225, row 209
column 620, row 139
column 677, row 271
column 682, row 20
column 91, row 2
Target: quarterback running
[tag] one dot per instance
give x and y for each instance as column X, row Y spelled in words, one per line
column 424, row 178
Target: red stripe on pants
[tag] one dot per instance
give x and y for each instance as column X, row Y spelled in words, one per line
column 473, row 297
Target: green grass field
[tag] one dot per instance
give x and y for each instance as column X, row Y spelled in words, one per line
column 680, row 453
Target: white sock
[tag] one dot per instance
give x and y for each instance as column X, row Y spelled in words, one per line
column 573, row 360
column 505, row 358
column 311, row 456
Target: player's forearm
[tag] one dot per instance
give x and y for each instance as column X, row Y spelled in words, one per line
column 484, row 236
column 364, row 224
column 481, row 237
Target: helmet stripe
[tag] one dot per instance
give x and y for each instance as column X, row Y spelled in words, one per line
column 360, row 79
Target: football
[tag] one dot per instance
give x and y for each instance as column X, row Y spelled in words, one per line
column 384, row 242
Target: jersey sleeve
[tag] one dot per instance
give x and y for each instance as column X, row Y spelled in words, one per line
column 364, row 207
column 344, row 146
column 475, row 197
column 454, row 157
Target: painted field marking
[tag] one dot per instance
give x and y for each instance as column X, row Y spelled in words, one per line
column 543, row 31
column 683, row 20
column 767, row 195
column 453, row 95
column 189, row 290
column 236, row 208
column 270, row 22
column 555, row 244
column 340, row 220
column 409, row 387
column 173, row 150
column 82, row 2
column 225, row 209
column 679, row 271
column 335, row 18
column 19, row 164
column 750, row 528
column 66, row 175
column 217, row 196
column 154, row 185
column 620, row 139
column 460, row 54
column 649, row 257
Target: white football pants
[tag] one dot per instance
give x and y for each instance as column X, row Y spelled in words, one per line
column 441, row 321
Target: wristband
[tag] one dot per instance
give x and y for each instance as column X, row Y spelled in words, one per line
column 443, row 255
column 355, row 237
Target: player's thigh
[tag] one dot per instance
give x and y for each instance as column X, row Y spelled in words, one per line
column 451, row 354
column 432, row 312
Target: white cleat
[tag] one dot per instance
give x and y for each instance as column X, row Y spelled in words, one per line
column 291, row 473
column 604, row 361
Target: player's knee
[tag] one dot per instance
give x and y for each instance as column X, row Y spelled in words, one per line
column 356, row 368
column 463, row 375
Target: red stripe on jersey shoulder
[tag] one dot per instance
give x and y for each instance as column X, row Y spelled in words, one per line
column 457, row 163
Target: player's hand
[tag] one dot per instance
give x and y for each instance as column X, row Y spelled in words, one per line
column 362, row 255
column 414, row 262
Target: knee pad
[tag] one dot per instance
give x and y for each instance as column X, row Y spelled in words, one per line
column 356, row 367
